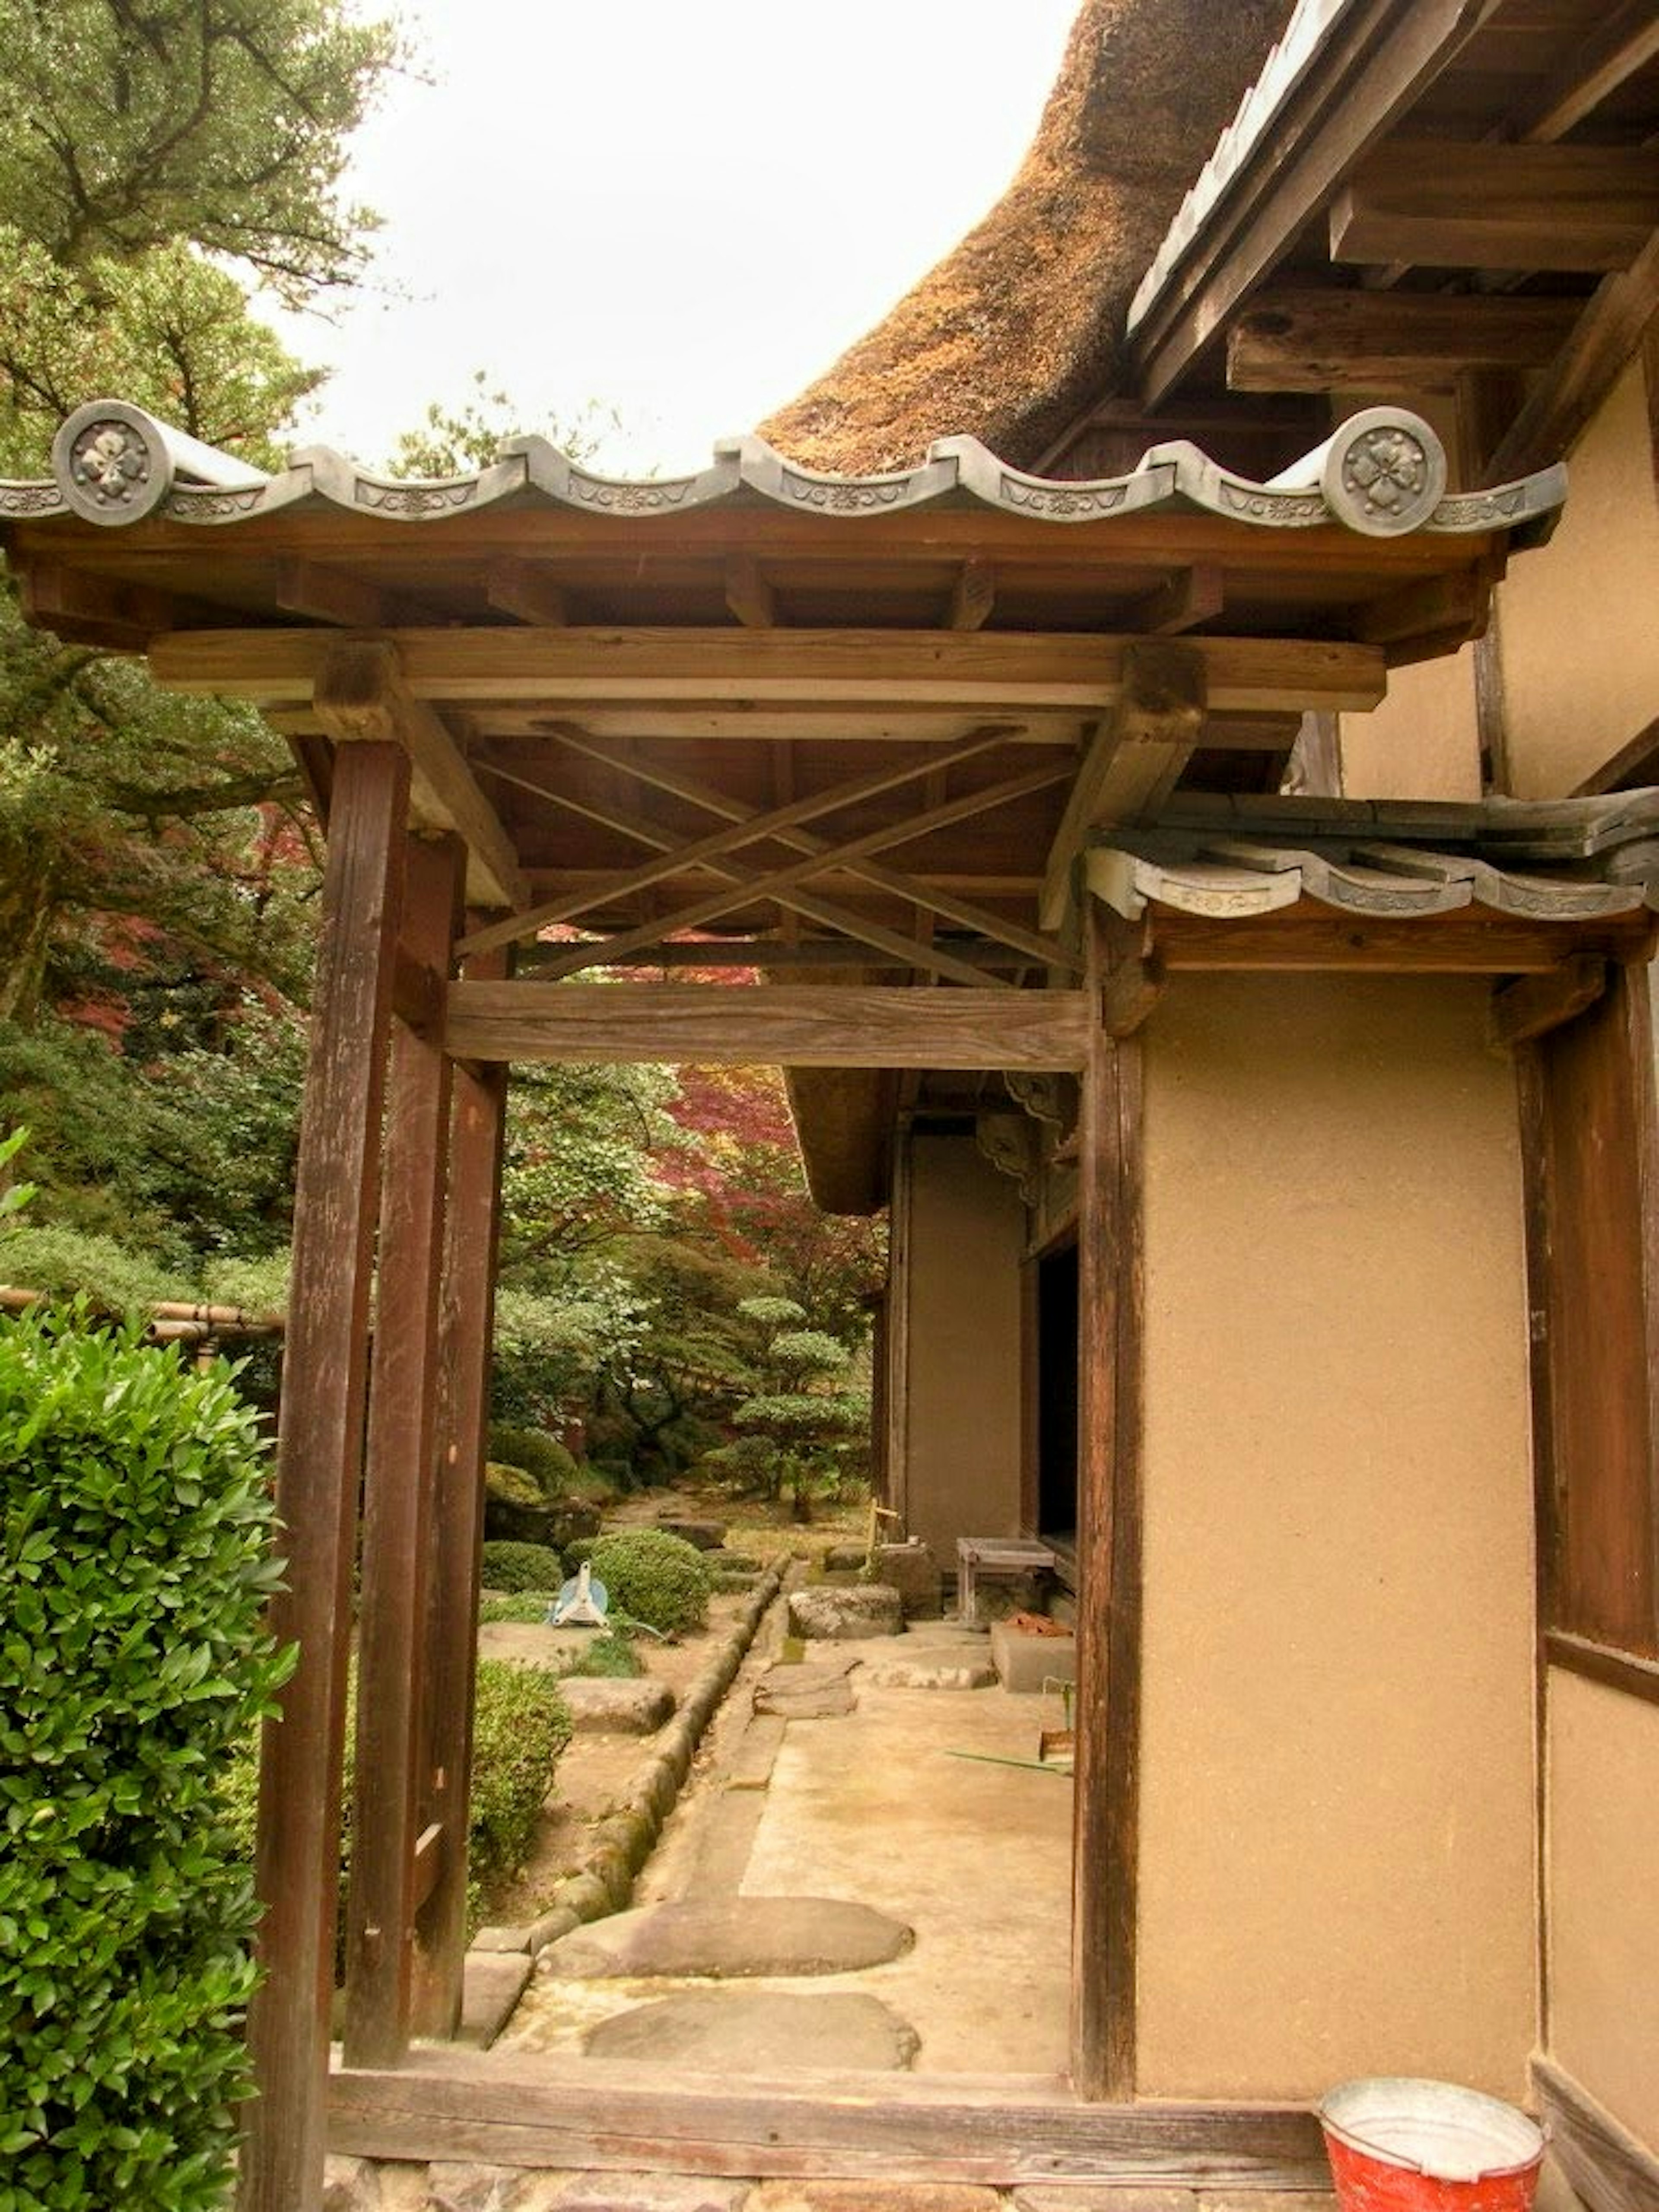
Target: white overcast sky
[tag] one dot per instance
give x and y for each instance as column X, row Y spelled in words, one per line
column 683, row 208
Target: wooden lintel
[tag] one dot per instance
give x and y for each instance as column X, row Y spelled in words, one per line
column 1465, row 942
column 1306, row 339
column 1532, row 1004
column 1001, row 670
column 1494, row 206
column 360, row 693
column 1584, row 372
column 973, row 596
column 748, row 592
column 777, row 1025
column 1191, row 596
column 549, row 2110
column 1136, row 757
column 527, row 593
column 331, row 595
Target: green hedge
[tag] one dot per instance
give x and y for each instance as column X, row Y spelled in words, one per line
column 134, row 1565
column 543, row 1458
column 654, row 1577
column 507, row 1566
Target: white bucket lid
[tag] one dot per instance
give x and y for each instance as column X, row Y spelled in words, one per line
column 1432, row 2127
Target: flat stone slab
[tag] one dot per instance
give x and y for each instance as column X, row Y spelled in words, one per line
column 703, row 1535
column 492, row 1983
column 816, row 1689
column 1027, row 1661
column 626, row 1707
column 749, row 2031
column 932, row 1674
column 861, row 1609
column 730, row 1936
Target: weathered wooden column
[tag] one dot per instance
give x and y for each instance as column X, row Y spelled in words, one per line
column 318, row 1467
column 1107, row 1715
column 465, row 1327
column 391, row 1857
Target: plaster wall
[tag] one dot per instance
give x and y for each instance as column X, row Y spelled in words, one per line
column 1580, row 647
column 963, row 1402
column 1423, row 742
column 1338, row 1834
column 1603, row 1887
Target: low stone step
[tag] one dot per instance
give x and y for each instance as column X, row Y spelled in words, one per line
column 730, row 1936
column 750, row 2031
column 618, row 1706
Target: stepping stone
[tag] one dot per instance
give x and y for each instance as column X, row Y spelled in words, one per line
column 817, row 1690
column 703, row 1535
column 752, row 2031
column 863, row 1609
column 730, row 1936
column 937, row 1674
column 618, row 1706
column 492, row 1983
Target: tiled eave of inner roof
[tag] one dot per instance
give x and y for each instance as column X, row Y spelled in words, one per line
column 1568, row 861
column 1379, row 478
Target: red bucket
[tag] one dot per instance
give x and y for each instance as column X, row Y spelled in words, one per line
column 1404, row 2146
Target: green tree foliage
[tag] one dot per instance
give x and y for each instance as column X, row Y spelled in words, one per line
column 453, row 438
column 806, row 1410
column 134, row 1567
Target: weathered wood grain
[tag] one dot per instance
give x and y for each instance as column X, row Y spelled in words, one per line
column 1532, row 1004
column 1303, row 338
column 1602, row 2160
column 776, row 1024
column 1494, row 206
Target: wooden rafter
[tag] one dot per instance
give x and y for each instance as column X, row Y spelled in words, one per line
column 360, row 694
column 1587, row 367
column 526, row 591
column 776, row 1023
column 743, row 889
column 906, row 886
column 1314, row 338
column 1626, row 41
column 719, row 843
column 1523, row 207
column 1189, row 597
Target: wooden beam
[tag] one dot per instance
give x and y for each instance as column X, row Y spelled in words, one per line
column 331, row 595
column 319, row 1460
column 1106, row 1851
column 1624, row 1671
column 1434, row 606
column 552, row 2110
column 1368, row 69
column 1601, row 2160
column 465, row 1321
column 777, row 1025
column 526, row 590
column 1532, row 1004
column 1132, row 973
column 83, row 609
column 1584, row 372
column 1303, row 339
column 973, row 596
column 748, row 592
column 744, row 830
column 360, row 694
column 397, row 1498
column 1001, row 671
column 741, row 889
column 1440, row 205
column 1135, row 759
column 1461, row 943
column 1598, row 62
column 1189, row 597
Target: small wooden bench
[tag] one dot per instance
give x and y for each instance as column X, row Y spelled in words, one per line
column 995, row 1555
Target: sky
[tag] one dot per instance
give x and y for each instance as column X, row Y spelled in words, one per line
column 681, row 209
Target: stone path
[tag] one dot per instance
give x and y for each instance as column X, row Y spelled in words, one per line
column 720, row 1936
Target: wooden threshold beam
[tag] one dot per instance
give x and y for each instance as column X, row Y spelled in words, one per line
column 1001, row 670
column 360, row 694
column 1303, row 338
column 555, row 2111
column 777, row 1025
column 1434, row 204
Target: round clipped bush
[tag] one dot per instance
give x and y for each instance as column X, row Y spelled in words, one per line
column 521, row 1567
column 134, row 1525
column 543, row 1458
column 653, row 1578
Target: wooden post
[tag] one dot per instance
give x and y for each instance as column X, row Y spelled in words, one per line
column 318, row 1464
column 1106, row 1837
column 398, row 1490
column 465, row 1327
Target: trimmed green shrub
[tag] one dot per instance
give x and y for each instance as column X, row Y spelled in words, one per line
column 654, row 1577
column 543, row 1458
column 507, row 1485
column 134, row 1563
column 520, row 1726
column 521, row 1567
column 609, row 1655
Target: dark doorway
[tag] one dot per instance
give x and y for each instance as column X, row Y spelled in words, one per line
column 1057, row 1400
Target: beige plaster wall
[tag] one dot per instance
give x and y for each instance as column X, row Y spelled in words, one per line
column 1576, row 625
column 962, row 1435
column 1339, row 1811
column 1603, row 1895
column 1423, row 742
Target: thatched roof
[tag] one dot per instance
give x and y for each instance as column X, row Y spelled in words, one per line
column 1022, row 325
